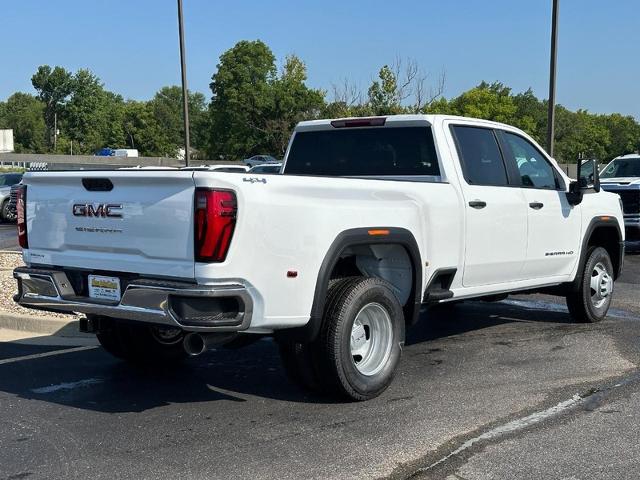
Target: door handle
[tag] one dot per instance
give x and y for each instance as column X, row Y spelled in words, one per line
column 536, row 205
column 477, row 204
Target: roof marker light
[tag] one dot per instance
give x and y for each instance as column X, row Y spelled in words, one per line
column 359, row 122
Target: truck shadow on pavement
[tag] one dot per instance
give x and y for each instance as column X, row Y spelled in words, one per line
column 93, row 380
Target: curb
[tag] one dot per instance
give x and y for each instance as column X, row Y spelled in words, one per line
column 45, row 325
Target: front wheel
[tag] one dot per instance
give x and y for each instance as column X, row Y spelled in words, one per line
column 591, row 301
column 361, row 339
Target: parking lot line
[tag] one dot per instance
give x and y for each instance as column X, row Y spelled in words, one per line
column 46, row 354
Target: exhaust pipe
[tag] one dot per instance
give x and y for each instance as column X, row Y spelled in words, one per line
column 196, row 343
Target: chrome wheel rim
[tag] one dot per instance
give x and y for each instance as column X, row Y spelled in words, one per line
column 166, row 335
column 371, row 339
column 601, row 285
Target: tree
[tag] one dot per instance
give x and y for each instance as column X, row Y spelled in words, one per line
column 53, row 87
column 579, row 133
column 252, row 106
column 624, row 134
column 293, row 101
column 92, row 115
column 166, row 106
column 24, row 114
column 3, row 114
column 531, row 115
column 488, row 101
column 143, row 132
column 384, row 95
column 240, row 100
column 402, row 88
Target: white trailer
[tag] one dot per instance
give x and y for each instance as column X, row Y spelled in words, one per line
column 6, row 140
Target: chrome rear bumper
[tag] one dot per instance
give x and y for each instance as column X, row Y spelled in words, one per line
column 143, row 300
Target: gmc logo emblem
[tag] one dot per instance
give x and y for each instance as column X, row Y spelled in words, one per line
column 102, row 210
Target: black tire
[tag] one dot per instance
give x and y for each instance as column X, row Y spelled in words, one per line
column 583, row 305
column 299, row 359
column 139, row 343
column 338, row 369
column 5, row 215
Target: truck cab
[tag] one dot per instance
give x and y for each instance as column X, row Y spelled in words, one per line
column 622, row 177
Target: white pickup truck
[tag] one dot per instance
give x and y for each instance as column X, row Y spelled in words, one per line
column 622, row 176
column 370, row 220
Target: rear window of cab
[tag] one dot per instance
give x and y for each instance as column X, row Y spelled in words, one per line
column 362, row 152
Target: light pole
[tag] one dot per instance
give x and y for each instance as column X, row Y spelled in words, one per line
column 185, row 99
column 551, row 116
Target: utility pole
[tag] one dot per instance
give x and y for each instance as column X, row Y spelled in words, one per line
column 551, row 117
column 185, row 99
column 55, row 130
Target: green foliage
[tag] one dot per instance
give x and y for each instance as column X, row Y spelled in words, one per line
column 24, row 113
column 166, row 108
column 53, row 87
column 92, row 116
column 253, row 109
column 489, row 101
column 624, row 134
column 579, row 133
column 293, row 102
column 241, row 100
column 255, row 106
column 384, row 98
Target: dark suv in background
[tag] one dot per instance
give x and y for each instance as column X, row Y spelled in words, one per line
column 7, row 181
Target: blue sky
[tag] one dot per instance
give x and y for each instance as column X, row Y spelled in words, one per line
column 132, row 45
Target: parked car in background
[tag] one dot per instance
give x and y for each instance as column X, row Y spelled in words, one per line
column 7, row 180
column 267, row 168
column 125, row 152
column 12, row 212
column 259, row 160
column 117, row 152
column 622, row 176
column 104, row 152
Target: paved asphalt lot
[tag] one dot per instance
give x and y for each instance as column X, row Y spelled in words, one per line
column 8, row 236
column 484, row 391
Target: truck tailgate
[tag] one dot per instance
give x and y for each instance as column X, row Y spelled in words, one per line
column 122, row 221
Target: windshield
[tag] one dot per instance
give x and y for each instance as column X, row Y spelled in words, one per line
column 10, row 179
column 623, row 167
column 382, row 151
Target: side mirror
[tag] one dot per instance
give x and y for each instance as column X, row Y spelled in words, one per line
column 588, row 175
column 588, row 179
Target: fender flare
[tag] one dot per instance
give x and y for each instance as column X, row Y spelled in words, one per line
column 594, row 224
column 355, row 237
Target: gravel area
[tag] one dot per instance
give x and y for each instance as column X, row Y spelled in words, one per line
column 9, row 261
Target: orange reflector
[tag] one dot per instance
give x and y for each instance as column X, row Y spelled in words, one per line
column 605, row 218
column 378, row 232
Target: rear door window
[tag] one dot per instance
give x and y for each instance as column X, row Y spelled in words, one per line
column 480, row 155
column 361, row 152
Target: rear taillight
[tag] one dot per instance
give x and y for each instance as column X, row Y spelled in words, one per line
column 21, row 210
column 214, row 219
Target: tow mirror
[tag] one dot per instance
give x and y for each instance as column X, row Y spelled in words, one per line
column 588, row 175
column 588, row 179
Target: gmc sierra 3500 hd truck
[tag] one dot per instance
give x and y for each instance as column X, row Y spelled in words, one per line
column 622, row 176
column 371, row 219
